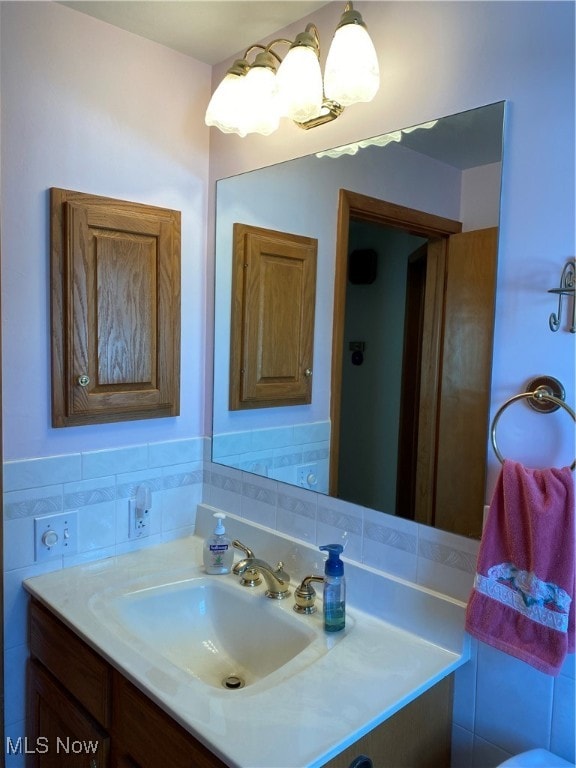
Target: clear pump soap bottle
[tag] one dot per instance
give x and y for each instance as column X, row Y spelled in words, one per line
column 218, row 552
column 334, row 589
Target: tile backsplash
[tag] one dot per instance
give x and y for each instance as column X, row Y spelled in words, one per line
column 98, row 485
column 435, row 559
column 279, row 452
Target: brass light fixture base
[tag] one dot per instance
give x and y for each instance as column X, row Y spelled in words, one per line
column 330, row 111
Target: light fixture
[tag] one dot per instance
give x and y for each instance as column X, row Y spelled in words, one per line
column 253, row 97
column 299, row 80
column 352, row 65
column 227, row 100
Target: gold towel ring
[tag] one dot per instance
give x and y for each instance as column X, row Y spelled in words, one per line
column 540, row 393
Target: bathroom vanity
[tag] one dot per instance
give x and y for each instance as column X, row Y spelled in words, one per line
column 91, row 714
column 101, row 694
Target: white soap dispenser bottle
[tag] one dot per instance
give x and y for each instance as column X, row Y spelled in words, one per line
column 218, row 551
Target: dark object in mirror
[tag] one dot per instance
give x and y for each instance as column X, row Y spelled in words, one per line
column 362, row 266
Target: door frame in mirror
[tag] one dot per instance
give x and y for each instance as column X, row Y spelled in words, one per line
column 426, row 486
column 355, row 206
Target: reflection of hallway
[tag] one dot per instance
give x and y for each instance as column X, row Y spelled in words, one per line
column 371, row 392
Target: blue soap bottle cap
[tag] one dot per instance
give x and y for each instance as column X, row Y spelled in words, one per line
column 334, row 566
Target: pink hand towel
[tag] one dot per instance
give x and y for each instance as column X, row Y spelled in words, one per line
column 522, row 600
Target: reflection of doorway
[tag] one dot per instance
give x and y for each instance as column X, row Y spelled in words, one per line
column 372, row 379
column 443, row 399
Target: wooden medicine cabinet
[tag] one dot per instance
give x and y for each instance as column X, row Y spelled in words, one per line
column 273, row 302
column 115, row 291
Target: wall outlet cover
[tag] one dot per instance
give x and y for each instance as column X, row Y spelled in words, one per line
column 138, row 521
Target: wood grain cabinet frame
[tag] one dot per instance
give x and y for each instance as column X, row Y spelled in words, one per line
column 115, row 291
column 272, row 318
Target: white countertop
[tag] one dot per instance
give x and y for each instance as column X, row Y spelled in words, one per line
column 302, row 720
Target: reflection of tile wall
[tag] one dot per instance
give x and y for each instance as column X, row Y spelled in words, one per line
column 97, row 485
column 279, row 453
column 502, row 706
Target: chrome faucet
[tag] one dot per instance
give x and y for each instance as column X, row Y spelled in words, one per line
column 277, row 580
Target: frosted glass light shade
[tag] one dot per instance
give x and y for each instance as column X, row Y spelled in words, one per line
column 260, row 101
column 351, row 73
column 299, row 81
column 226, row 106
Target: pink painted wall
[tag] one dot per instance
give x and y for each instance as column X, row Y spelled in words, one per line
column 89, row 107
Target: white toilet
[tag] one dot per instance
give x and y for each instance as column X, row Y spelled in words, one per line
column 536, row 758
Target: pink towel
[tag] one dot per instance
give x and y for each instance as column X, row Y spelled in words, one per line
column 522, row 601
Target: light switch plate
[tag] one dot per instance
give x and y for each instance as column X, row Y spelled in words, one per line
column 55, row 535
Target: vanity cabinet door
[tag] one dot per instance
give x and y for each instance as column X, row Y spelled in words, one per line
column 61, row 734
column 81, row 671
column 417, row 736
column 144, row 736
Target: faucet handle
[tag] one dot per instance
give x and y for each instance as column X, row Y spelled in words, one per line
column 250, row 577
column 305, row 595
column 280, row 572
column 243, row 548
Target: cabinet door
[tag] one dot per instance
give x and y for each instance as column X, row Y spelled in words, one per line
column 273, row 304
column 79, row 669
column 146, row 737
column 417, row 736
column 115, row 274
column 61, row 734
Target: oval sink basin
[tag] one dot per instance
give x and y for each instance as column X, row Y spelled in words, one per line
column 217, row 631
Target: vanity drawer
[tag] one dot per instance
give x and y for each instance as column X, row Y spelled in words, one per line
column 80, row 670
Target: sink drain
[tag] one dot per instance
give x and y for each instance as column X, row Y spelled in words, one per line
column 233, row 682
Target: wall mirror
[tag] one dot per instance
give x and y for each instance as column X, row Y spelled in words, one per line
column 406, row 226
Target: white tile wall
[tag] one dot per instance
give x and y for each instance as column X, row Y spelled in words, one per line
column 97, row 485
column 501, row 705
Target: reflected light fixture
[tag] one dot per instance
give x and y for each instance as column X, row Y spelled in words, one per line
column 375, row 141
column 252, row 97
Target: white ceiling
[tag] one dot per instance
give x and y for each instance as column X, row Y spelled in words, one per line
column 208, row 30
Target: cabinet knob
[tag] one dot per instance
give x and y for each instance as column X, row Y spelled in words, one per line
column 308, row 372
column 84, row 380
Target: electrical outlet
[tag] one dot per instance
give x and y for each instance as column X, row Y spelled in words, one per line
column 306, row 475
column 55, row 535
column 139, row 520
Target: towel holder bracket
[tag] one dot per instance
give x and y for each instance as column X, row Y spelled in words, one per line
column 542, row 386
